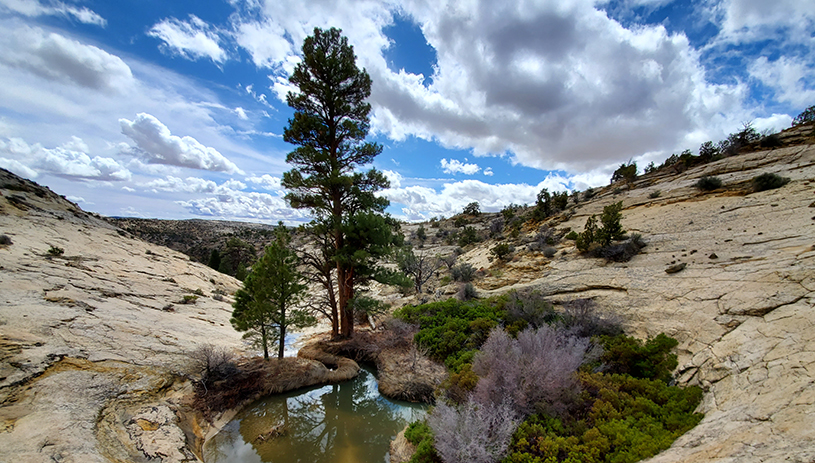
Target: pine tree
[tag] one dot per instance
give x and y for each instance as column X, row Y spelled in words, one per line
column 329, row 126
column 263, row 307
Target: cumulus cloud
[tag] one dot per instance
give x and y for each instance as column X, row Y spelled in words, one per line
column 266, row 181
column 423, row 202
column 554, row 85
column 752, row 20
column 192, row 39
column 791, row 78
column 454, row 166
column 69, row 160
column 58, row 58
column 33, row 8
column 193, row 185
column 244, row 205
column 156, row 144
column 488, row 172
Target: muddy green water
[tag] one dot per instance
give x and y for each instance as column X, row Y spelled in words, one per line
column 340, row 423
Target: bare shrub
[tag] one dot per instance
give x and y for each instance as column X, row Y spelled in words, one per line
column 496, row 226
column 400, row 333
column 549, row 252
column 213, row 362
column 533, row 371
column 546, row 237
column 463, row 272
column 529, row 306
column 582, row 318
column 466, row 292
column 472, row 432
column 449, row 260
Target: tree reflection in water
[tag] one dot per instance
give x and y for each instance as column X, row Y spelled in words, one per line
column 347, row 422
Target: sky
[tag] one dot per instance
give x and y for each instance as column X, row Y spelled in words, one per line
column 176, row 109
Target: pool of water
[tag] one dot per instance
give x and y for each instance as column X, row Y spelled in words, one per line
column 339, row 423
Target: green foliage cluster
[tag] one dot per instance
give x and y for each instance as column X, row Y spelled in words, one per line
column 452, row 330
column 627, row 172
column 625, row 419
column 473, row 209
column 548, row 204
column 55, row 251
column 707, row 183
column 630, row 356
column 808, row 115
column 768, row 181
column 501, row 251
column 419, row 434
column 610, row 230
column 467, row 236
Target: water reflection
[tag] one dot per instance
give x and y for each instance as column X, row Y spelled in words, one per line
column 348, row 422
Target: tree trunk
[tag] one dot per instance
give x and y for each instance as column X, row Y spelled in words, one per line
column 345, row 277
column 335, row 317
column 264, row 340
column 282, row 345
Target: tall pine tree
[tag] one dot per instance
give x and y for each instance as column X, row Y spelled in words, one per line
column 329, row 126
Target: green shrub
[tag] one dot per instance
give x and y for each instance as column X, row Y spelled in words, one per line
column 55, row 251
column 572, row 235
column 419, row 434
column 623, row 420
column 654, row 194
column 449, row 329
column 501, row 251
column 808, row 115
column 708, row 183
column 627, row 172
column 5, row 240
column 467, row 292
column 463, row 272
column 771, row 141
column 460, row 221
column 549, row 252
column 473, row 209
column 611, row 229
column 650, row 360
column 468, row 236
column 768, row 181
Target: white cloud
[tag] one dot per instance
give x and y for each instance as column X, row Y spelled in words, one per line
column 267, row 182
column 488, row 172
column 18, row 168
column 191, row 39
column 395, row 178
column 454, row 166
column 241, row 113
column 244, row 205
column 58, row 58
column 791, row 78
column 555, row 85
column 156, row 144
column 35, row 8
column 750, row 20
column 68, row 160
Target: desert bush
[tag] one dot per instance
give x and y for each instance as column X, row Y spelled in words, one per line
column 473, row 209
column 549, row 252
column 460, row 221
column 501, row 251
column 611, row 229
column 582, row 318
column 768, row 181
column 529, row 372
column 771, row 141
column 654, row 194
column 213, row 362
column 467, row 292
column 624, row 420
column 463, row 272
column 807, row 115
column 188, row 299
column 467, row 236
column 496, row 226
column 589, row 193
column 627, row 172
column 472, row 432
column 451, row 330
column 419, row 434
column 572, row 235
column 5, row 240
column 449, row 260
column 509, row 211
column 707, row 183
column 546, row 236
column 652, row 359
column 55, row 251
column 528, row 306
column 620, row 252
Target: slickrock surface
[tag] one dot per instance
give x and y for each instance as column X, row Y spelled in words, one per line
column 743, row 308
column 93, row 342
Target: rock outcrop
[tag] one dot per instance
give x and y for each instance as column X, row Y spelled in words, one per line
column 93, row 340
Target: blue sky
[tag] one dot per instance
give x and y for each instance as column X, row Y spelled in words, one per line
column 176, row 109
